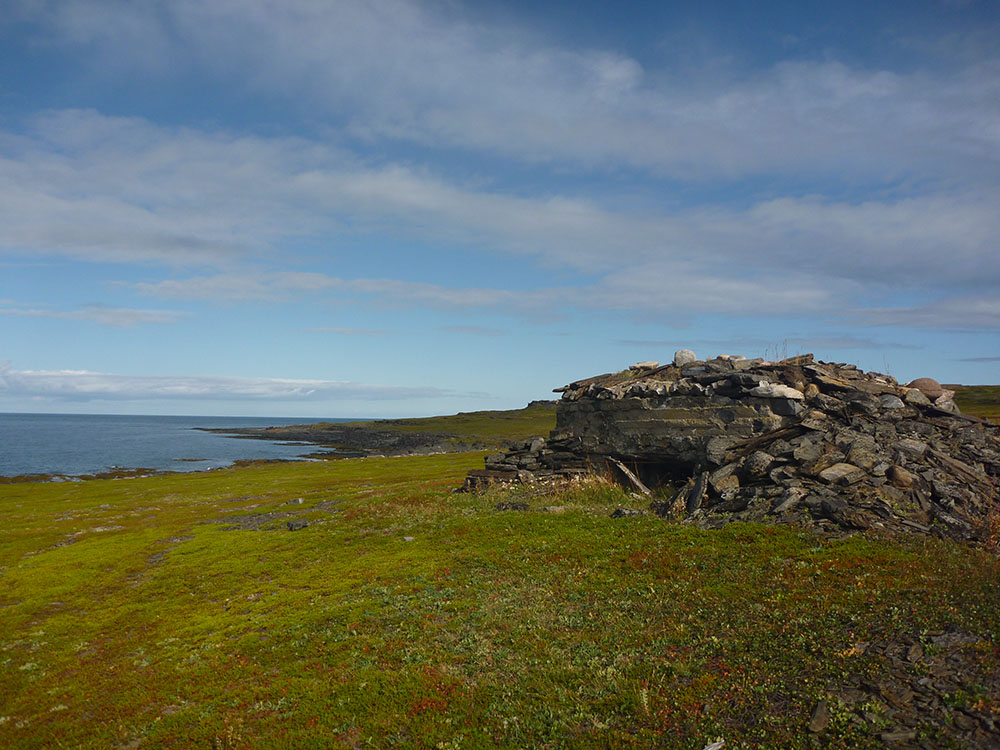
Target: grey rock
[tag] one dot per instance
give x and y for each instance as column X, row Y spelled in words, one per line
column 946, row 404
column 789, row 499
column 911, row 447
column 890, row 401
column 716, row 448
column 757, row 464
column 696, row 495
column 684, row 357
column 297, row 523
column 842, row 473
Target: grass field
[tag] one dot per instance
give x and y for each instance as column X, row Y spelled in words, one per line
column 981, row 401
column 180, row 611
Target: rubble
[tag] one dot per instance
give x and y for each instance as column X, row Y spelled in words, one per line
column 796, row 441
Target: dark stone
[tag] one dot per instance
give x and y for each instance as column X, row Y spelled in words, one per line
column 696, row 494
column 757, row 464
column 820, row 718
column 296, row 524
column 627, row 513
column 512, row 506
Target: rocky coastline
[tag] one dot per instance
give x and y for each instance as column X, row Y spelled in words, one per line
column 357, row 440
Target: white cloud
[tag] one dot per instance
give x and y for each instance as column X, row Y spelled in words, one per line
column 349, row 331
column 745, row 344
column 474, row 330
column 238, row 288
column 677, row 291
column 969, row 311
column 122, row 189
column 431, row 73
column 83, row 385
column 116, row 317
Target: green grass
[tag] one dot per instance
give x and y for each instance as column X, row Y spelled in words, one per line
column 516, row 424
column 981, row 401
column 130, row 616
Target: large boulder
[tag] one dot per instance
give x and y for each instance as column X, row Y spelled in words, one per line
column 928, row 386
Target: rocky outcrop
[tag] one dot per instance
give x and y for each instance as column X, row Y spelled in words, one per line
column 797, row 441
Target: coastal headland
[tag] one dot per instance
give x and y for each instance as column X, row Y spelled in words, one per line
column 466, row 431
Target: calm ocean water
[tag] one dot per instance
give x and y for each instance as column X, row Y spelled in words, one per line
column 91, row 443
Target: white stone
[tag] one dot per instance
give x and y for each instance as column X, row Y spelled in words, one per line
column 651, row 365
column 684, row 357
column 776, row 390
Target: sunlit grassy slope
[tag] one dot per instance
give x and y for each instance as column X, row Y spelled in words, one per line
column 979, row 400
column 408, row 616
column 535, row 420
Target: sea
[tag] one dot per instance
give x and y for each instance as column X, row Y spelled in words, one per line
column 78, row 444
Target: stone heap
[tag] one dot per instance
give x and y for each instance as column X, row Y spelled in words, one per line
column 797, row 441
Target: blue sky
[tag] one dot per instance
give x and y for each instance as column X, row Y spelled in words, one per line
column 392, row 208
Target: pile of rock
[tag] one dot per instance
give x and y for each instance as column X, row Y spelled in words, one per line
column 796, row 441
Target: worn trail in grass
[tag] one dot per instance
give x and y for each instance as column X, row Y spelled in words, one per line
column 180, row 611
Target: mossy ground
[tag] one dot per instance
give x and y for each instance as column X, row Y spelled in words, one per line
column 131, row 617
column 981, row 401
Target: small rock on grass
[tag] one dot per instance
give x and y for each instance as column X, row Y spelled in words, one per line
column 899, row 735
column 627, row 512
column 296, row 524
column 512, row 506
column 820, row 718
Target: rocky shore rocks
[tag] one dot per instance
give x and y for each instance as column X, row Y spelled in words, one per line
column 796, row 441
column 355, row 441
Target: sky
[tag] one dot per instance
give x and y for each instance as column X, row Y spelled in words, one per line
column 388, row 208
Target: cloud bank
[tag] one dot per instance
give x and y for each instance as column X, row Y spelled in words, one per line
column 84, row 385
column 101, row 189
column 116, row 317
column 436, row 74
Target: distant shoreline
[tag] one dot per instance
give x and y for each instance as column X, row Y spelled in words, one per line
column 353, row 440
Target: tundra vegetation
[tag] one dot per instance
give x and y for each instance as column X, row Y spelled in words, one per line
column 183, row 611
column 981, row 401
